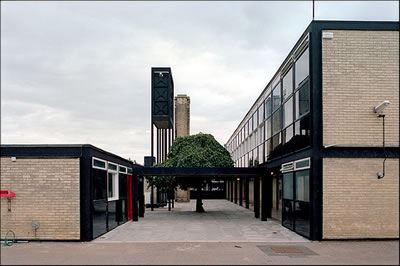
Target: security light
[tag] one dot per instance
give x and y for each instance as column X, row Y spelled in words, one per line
column 379, row 108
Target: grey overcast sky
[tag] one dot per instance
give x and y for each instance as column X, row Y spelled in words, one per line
column 79, row 72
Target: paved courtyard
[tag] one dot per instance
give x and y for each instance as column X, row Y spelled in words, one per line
column 223, row 221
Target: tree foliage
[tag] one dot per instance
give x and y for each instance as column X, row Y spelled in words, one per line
column 200, row 150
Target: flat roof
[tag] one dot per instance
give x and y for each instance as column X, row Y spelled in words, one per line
column 52, row 150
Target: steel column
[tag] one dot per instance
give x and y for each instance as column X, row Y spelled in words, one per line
column 257, row 197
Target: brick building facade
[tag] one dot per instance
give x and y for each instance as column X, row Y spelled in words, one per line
column 323, row 147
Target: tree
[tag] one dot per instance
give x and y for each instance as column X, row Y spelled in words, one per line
column 200, row 150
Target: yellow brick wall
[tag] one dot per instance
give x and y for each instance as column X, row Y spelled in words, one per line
column 355, row 203
column 46, row 190
column 360, row 70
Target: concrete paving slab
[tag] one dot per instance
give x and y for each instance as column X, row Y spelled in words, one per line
column 223, row 221
column 204, row 253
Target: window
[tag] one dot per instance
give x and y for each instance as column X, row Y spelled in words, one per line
column 122, row 169
column 268, row 128
column 288, row 112
column 303, row 186
column 99, row 164
column 288, row 186
column 260, row 114
column 268, row 106
column 287, row 84
column 302, row 68
column 276, row 97
column 112, row 166
column 302, row 100
column 276, row 122
column 112, row 182
column 302, row 133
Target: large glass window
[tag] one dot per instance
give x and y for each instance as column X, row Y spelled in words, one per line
column 287, row 136
column 99, row 184
column 302, row 133
column 276, row 122
column 268, row 106
column 302, row 185
column 112, row 185
column 260, row 114
column 276, row 97
column 288, row 204
column 288, row 186
column 302, row 100
column 287, row 84
column 268, row 128
column 302, row 67
column 288, row 112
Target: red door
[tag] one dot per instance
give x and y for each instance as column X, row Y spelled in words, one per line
column 129, row 197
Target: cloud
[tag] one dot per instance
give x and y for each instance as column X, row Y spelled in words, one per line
column 79, row 72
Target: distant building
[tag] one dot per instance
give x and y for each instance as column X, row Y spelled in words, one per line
column 323, row 147
column 182, row 128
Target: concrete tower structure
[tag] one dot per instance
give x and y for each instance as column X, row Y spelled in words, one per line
column 182, row 115
column 182, row 128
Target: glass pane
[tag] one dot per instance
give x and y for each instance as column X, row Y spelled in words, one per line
column 99, row 218
column 100, row 184
column 287, row 214
column 302, row 164
column 301, row 68
column 98, row 163
column 288, row 186
column 110, row 185
column 268, row 128
column 268, row 106
column 260, row 113
column 302, row 133
column 130, row 170
column 112, row 166
column 123, row 189
column 302, row 214
column 276, row 97
column 276, row 122
column 122, row 169
column 303, row 185
column 112, row 217
column 261, row 153
column 267, row 149
column 287, row 84
column 288, row 112
column 276, row 146
column 288, row 145
column 302, row 100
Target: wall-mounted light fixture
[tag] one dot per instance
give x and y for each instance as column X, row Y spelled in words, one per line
column 379, row 108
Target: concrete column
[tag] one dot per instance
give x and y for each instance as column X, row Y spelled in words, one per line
column 257, row 197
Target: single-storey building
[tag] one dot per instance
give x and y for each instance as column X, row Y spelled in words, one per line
column 65, row 192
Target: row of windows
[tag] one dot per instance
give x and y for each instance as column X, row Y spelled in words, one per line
column 288, row 102
column 112, row 181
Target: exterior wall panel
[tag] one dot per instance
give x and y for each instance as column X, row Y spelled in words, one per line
column 355, row 203
column 360, row 69
column 46, row 190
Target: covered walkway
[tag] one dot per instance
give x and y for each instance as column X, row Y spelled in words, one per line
column 223, row 221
